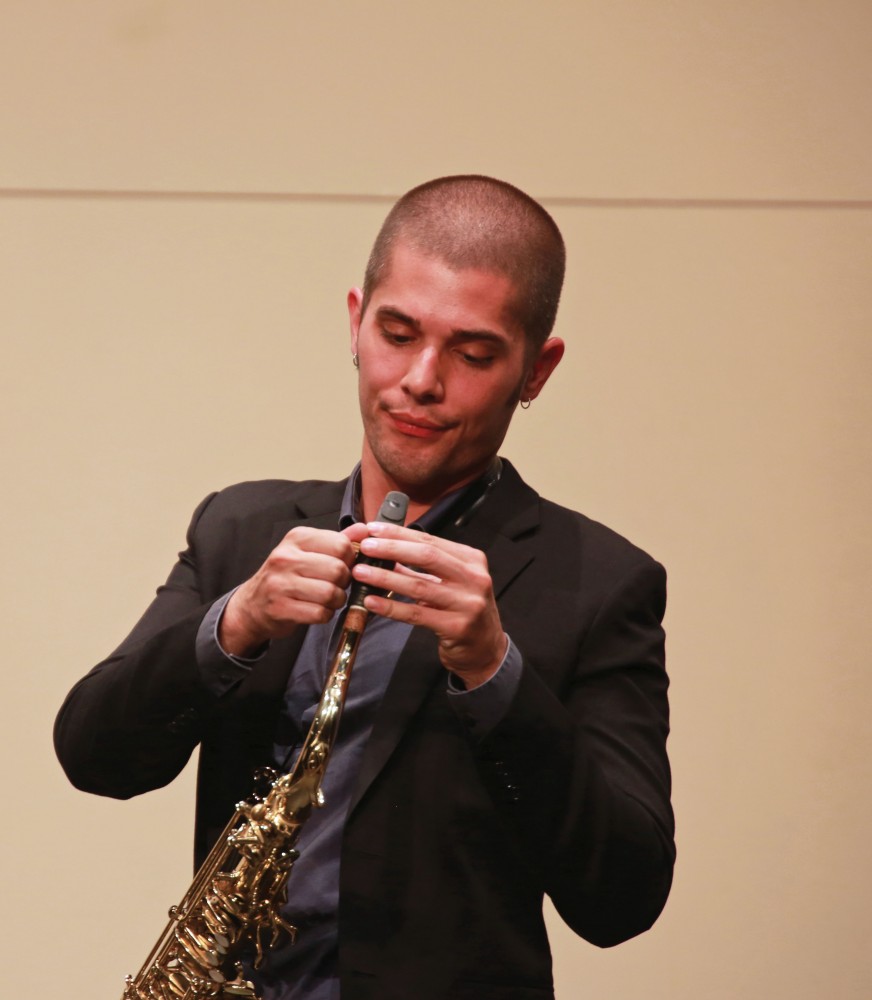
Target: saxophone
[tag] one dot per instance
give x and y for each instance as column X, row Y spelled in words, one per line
column 235, row 901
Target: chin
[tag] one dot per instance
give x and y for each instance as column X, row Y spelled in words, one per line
column 413, row 474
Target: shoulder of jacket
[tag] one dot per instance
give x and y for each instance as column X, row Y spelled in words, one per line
column 272, row 490
column 598, row 542
column 280, row 497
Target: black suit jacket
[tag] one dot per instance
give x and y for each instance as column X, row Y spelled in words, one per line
column 450, row 843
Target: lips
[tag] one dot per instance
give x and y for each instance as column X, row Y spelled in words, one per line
column 414, row 426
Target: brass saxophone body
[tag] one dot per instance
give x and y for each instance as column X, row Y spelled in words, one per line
column 235, row 901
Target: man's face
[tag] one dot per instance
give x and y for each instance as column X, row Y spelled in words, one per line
column 442, row 368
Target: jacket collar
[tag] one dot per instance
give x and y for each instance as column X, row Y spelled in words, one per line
column 318, row 506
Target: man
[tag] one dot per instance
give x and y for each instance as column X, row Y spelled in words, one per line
column 504, row 734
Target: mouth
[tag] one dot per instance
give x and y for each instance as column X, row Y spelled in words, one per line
column 414, row 426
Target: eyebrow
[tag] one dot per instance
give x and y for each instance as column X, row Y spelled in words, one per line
column 390, row 312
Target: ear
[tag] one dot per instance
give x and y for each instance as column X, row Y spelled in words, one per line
column 355, row 314
column 540, row 371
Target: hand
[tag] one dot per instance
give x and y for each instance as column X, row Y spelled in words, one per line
column 302, row 582
column 451, row 591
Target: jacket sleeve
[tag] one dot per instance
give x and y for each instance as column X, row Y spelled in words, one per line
column 131, row 724
column 578, row 766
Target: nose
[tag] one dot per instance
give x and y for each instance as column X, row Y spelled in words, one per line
column 423, row 378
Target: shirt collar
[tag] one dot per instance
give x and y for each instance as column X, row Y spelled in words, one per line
column 453, row 508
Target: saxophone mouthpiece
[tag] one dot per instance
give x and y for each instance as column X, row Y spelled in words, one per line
column 394, row 508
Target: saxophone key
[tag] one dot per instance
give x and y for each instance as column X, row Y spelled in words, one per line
column 216, row 923
column 203, row 958
column 191, row 969
column 202, row 947
column 230, row 903
column 177, row 983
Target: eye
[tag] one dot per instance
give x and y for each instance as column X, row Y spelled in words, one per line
column 476, row 360
column 398, row 336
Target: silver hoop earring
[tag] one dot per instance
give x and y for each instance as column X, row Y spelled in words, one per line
column 355, row 360
column 525, row 404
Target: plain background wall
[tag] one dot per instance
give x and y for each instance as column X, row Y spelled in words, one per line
column 187, row 190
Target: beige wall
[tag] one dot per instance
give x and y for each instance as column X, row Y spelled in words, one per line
column 186, row 192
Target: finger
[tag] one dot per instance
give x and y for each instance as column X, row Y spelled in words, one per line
column 396, row 532
column 322, row 541
column 426, row 554
column 408, row 571
column 283, row 617
column 356, row 532
column 388, row 530
column 401, row 611
column 279, row 592
column 422, row 588
column 287, row 562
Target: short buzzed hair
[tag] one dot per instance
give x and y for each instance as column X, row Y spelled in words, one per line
column 470, row 221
